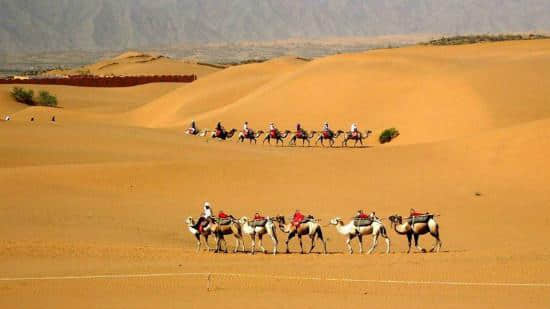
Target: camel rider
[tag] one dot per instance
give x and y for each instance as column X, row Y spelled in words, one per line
column 203, row 219
column 326, row 129
column 193, row 127
column 258, row 217
column 354, row 130
column 361, row 215
column 219, row 128
column 299, row 130
column 413, row 213
column 246, row 129
column 272, row 130
column 297, row 219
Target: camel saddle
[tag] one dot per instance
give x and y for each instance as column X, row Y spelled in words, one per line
column 327, row 134
column 273, row 133
column 362, row 222
column 420, row 219
column 256, row 223
column 224, row 221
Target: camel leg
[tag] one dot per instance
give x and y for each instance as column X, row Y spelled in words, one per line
column 274, row 239
column 348, row 241
column 301, row 245
column 374, row 243
column 416, row 243
column 360, row 239
column 253, row 245
column 331, row 143
column 409, row 236
column 260, row 236
column 312, row 243
column 290, row 236
column 437, row 244
column 198, row 242
column 206, row 243
column 236, row 245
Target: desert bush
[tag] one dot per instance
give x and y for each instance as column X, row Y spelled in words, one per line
column 27, row 97
column 23, row 96
column 472, row 39
column 388, row 135
column 46, row 99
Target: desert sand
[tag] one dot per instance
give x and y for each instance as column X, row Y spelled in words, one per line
column 101, row 196
column 136, row 63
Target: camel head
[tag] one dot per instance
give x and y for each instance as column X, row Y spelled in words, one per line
column 335, row 221
column 280, row 219
column 395, row 219
column 340, row 131
column 189, row 221
column 369, row 132
column 243, row 220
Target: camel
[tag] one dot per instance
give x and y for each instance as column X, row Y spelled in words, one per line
column 196, row 132
column 330, row 136
column 357, row 138
column 303, row 136
column 223, row 135
column 268, row 228
column 277, row 136
column 351, row 231
column 220, row 231
column 251, row 136
column 310, row 228
column 417, row 229
column 205, row 233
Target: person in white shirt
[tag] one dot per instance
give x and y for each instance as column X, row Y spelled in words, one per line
column 353, row 129
column 207, row 210
column 325, row 127
column 203, row 219
column 246, row 130
column 272, row 130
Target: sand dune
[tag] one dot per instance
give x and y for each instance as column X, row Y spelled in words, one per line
column 135, row 63
column 107, row 188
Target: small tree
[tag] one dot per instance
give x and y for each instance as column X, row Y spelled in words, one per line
column 46, row 99
column 387, row 135
column 23, row 96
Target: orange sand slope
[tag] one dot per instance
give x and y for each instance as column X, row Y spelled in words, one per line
column 134, row 63
column 106, row 189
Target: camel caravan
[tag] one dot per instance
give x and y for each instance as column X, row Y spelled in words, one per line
column 277, row 136
column 258, row 226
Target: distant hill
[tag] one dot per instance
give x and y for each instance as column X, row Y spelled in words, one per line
column 50, row 25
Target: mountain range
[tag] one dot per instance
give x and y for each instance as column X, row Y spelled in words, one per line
column 51, row 25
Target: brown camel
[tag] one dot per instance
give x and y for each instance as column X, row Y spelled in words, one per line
column 220, row 230
column 303, row 136
column 330, row 136
column 357, row 138
column 415, row 229
column 251, row 136
column 310, row 228
column 277, row 136
column 223, row 134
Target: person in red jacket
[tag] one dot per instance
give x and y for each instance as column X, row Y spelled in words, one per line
column 415, row 213
column 258, row 217
column 297, row 219
column 223, row 215
column 361, row 215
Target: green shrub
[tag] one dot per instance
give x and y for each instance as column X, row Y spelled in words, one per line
column 46, row 99
column 387, row 135
column 27, row 97
column 23, row 96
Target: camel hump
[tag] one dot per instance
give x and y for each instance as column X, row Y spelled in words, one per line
column 258, row 223
column 421, row 219
column 224, row 221
column 362, row 222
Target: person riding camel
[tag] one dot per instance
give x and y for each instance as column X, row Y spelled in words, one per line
column 413, row 213
column 326, row 130
column 246, row 129
column 299, row 130
column 219, row 129
column 361, row 215
column 354, row 130
column 297, row 219
column 272, row 130
column 193, row 128
column 202, row 222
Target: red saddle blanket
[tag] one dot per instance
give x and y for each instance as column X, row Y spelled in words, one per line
column 273, row 133
column 326, row 134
